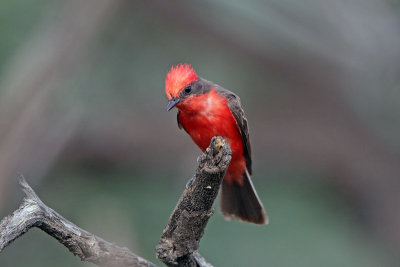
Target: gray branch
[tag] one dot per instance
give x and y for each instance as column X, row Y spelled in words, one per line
column 89, row 247
column 180, row 239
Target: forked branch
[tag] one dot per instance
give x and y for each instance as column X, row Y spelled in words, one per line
column 179, row 241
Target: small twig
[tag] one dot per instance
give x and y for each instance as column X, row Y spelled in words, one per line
column 180, row 239
column 34, row 213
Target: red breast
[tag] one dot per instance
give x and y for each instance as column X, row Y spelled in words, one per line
column 207, row 115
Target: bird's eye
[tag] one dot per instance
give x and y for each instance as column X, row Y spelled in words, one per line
column 188, row 89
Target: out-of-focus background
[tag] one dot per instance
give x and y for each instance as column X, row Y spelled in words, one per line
column 82, row 116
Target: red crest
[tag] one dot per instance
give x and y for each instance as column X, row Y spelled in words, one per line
column 177, row 78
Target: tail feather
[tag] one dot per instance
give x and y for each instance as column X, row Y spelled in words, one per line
column 242, row 202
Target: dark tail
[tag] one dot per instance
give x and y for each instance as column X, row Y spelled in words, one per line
column 241, row 202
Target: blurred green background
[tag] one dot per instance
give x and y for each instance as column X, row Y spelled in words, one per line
column 82, row 116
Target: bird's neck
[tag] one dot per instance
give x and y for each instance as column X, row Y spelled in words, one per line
column 210, row 102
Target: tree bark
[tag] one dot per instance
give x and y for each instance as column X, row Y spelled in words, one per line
column 179, row 241
column 181, row 237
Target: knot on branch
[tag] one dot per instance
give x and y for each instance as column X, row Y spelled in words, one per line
column 217, row 156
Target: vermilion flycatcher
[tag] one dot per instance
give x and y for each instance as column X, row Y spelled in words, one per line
column 206, row 110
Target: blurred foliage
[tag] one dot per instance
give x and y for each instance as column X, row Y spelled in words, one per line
column 17, row 20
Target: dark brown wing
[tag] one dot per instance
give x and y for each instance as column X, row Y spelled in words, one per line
column 241, row 120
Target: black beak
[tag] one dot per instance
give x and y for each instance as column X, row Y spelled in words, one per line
column 172, row 103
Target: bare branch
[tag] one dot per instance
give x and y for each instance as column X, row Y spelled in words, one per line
column 34, row 213
column 180, row 239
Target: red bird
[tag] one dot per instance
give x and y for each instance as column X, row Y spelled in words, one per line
column 206, row 110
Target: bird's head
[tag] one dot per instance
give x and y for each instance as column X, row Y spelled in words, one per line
column 180, row 83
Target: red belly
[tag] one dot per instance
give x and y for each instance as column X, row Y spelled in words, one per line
column 203, row 123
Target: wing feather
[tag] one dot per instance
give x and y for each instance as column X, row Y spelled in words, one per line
column 241, row 121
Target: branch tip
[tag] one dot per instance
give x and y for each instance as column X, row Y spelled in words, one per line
column 30, row 194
